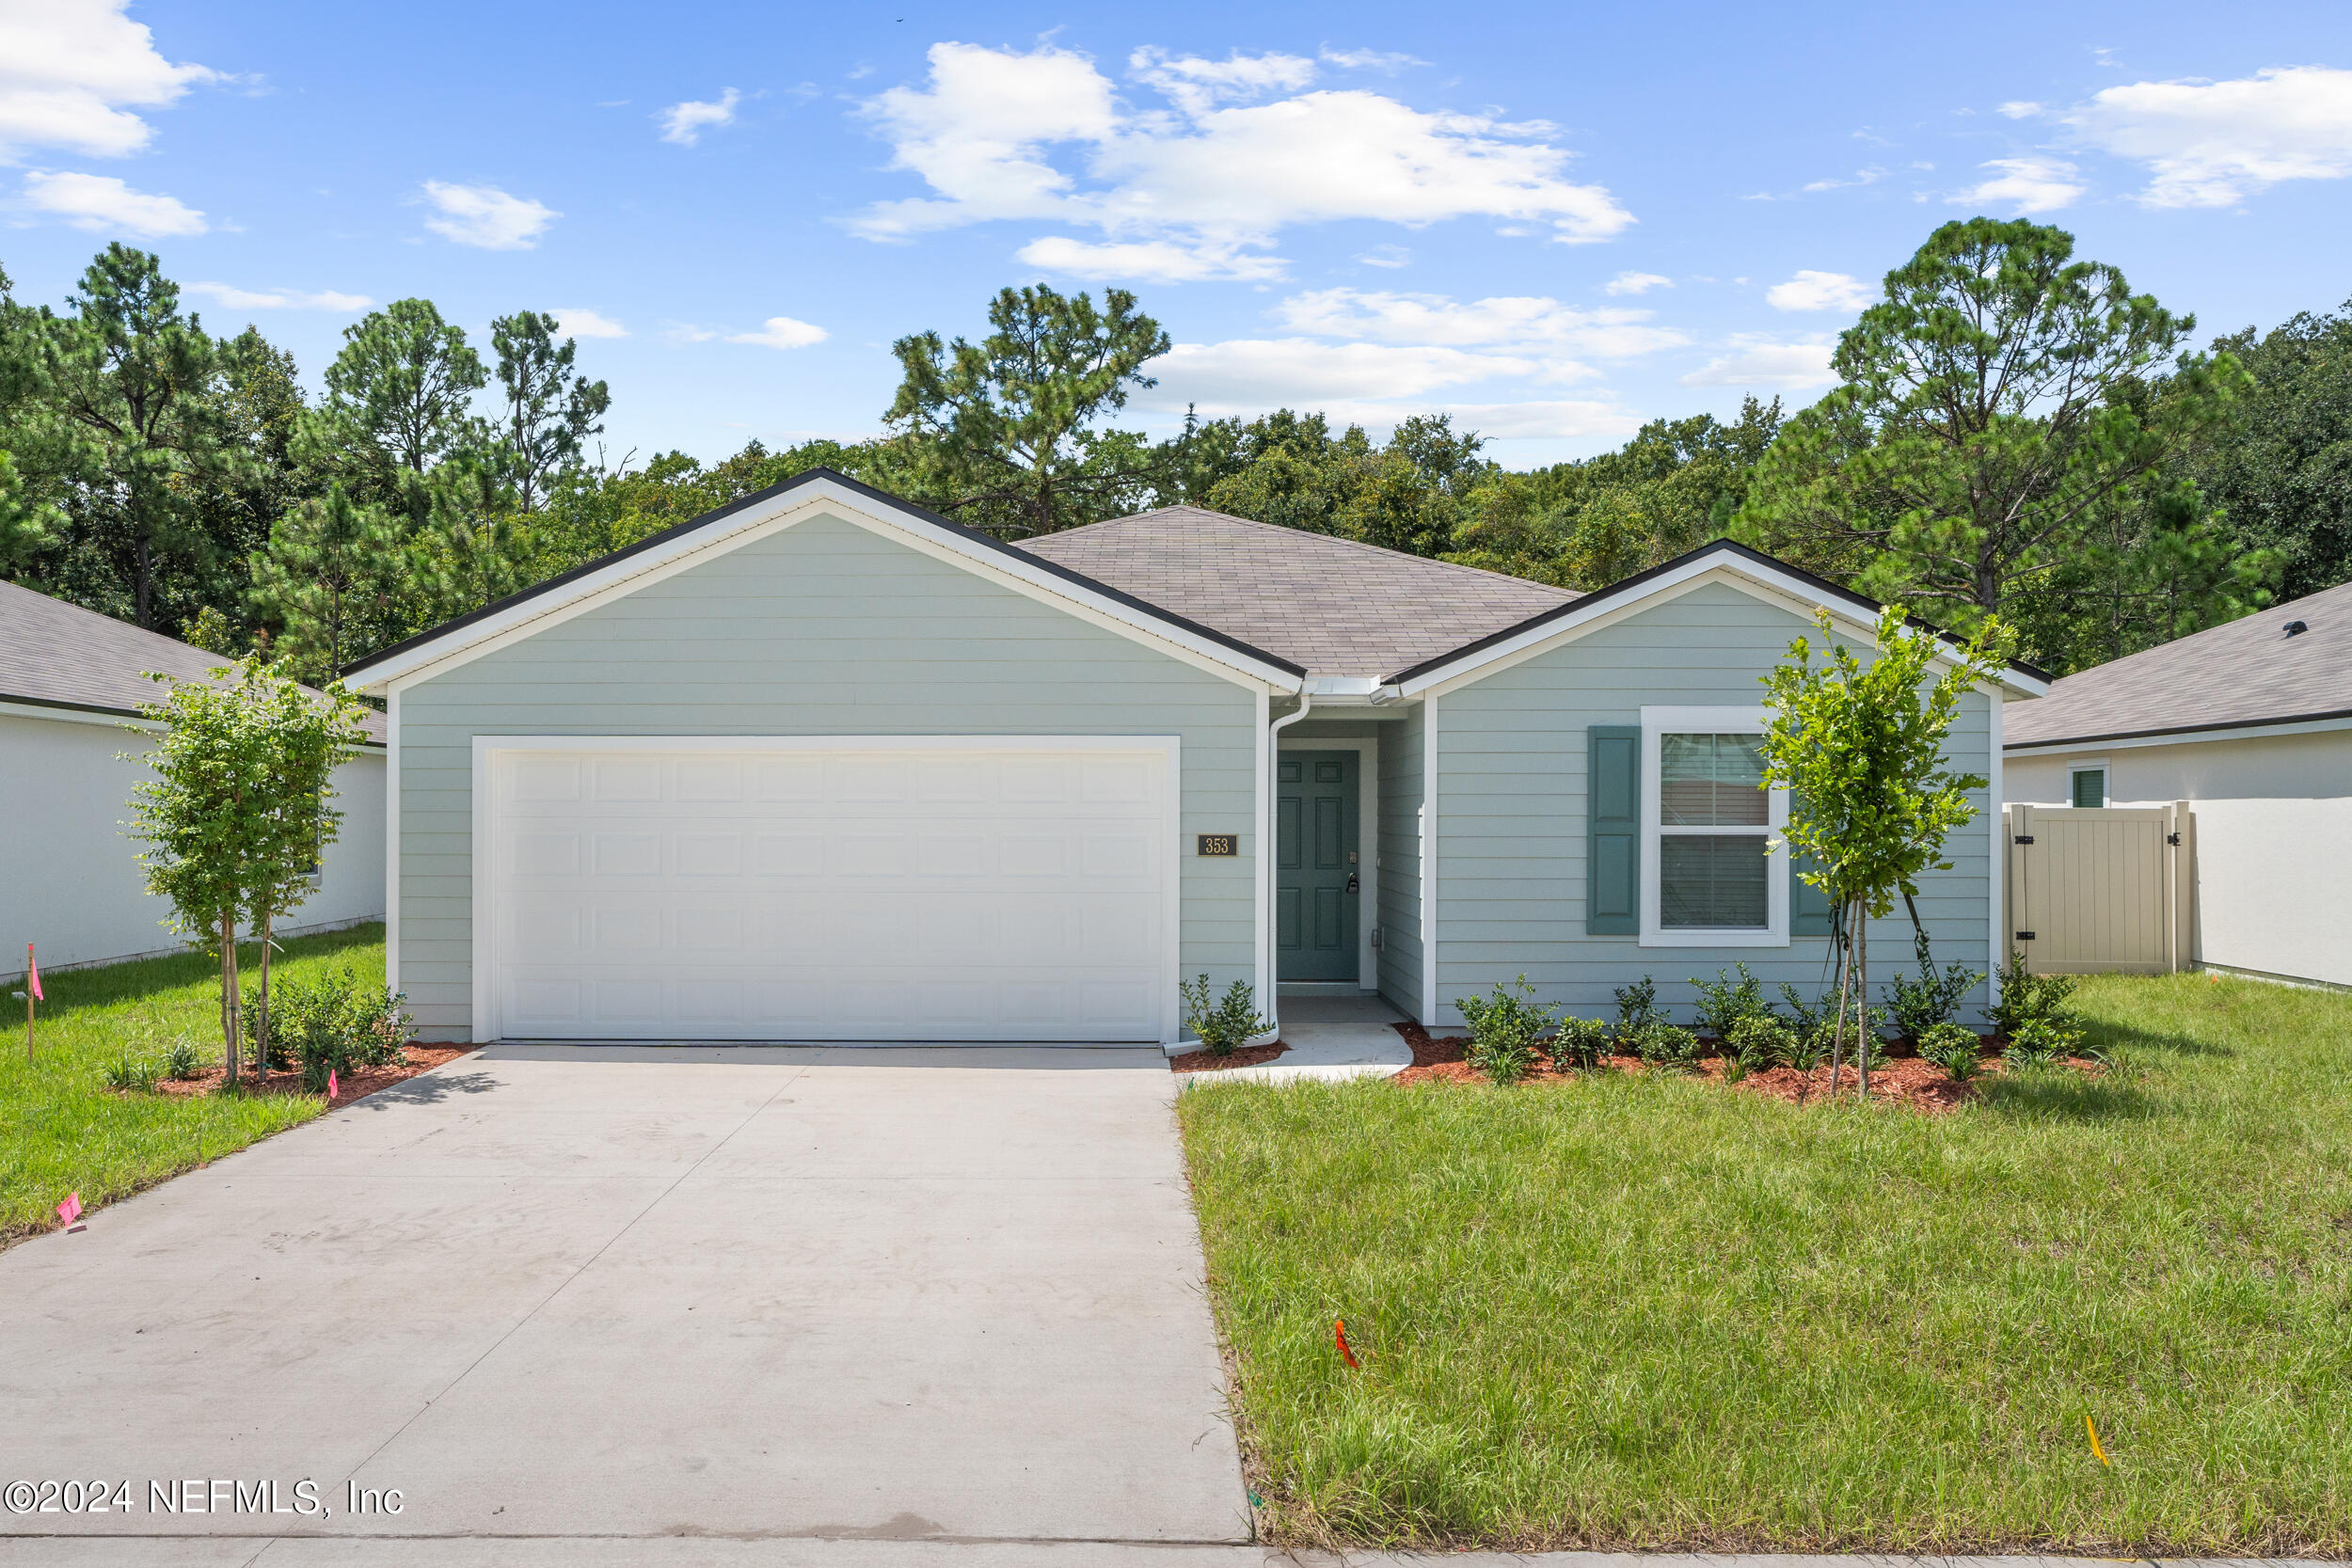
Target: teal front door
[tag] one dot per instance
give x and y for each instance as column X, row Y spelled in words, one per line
column 1316, row 872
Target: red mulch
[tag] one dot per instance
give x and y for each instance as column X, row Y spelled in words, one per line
column 1247, row 1055
column 356, row 1085
column 1898, row 1080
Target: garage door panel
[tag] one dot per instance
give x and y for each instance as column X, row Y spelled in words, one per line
column 989, row 894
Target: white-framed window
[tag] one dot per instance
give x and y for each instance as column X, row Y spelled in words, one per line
column 2087, row 784
column 1715, row 870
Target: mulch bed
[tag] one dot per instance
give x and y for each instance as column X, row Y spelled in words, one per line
column 356, row 1085
column 1247, row 1055
column 1896, row 1080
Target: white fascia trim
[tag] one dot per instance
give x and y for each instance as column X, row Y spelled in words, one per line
column 487, row 1026
column 2182, row 738
column 1367, row 846
column 1012, row 571
column 1658, row 722
column 1783, row 590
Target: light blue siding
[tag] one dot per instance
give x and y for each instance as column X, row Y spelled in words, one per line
column 823, row 629
column 1401, row 848
column 1511, row 802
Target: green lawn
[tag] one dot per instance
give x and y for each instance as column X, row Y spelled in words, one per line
column 62, row 1129
column 1627, row 1312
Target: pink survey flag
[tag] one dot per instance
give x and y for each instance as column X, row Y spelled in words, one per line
column 330, row 1086
column 32, row 973
column 69, row 1210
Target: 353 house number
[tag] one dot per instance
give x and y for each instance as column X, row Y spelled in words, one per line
column 1221, row 843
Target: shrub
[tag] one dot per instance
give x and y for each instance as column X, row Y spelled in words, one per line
column 1811, row 1047
column 2041, row 1042
column 1664, row 1046
column 1918, row 1006
column 2031, row 998
column 1952, row 1047
column 131, row 1072
column 1504, row 1029
column 1724, row 1002
column 1581, row 1043
column 1807, row 1018
column 182, row 1063
column 1222, row 1025
column 1758, row 1042
column 332, row 1025
column 1637, row 1009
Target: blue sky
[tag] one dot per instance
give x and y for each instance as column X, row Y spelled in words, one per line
column 1554, row 221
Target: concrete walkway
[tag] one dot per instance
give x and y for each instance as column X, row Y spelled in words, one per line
column 587, row 1295
column 1330, row 1037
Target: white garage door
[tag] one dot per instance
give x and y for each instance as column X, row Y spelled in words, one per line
column 925, row 889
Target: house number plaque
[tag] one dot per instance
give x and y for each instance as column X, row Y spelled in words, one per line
column 1221, row 843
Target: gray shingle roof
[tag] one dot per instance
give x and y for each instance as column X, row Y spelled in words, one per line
column 2248, row 671
column 1338, row 607
column 57, row 654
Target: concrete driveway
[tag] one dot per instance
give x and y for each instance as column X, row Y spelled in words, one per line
column 763, row 1293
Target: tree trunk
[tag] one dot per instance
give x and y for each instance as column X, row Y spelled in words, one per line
column 1861, row 985
column 143, row 589
column 1837, row 1022
column 261, row 1010
column 228, row 1015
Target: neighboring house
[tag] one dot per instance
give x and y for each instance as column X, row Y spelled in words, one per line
column 72, row 682
column 2251, row 725
column 821, row 765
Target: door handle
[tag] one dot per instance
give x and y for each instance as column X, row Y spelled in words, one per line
column 1351, row 882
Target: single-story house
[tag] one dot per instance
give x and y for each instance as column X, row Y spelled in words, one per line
column 821, row 765
column 2250, row 723
column 72, row 683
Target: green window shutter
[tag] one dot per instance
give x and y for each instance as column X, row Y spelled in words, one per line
column 1809, row 906
column 1612, row 830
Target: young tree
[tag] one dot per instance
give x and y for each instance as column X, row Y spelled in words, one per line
column 1002, row 426
column 235, row 803
column 127, row 384
column 1860, row 748
column 1985, row 416
column 398, row 394
column 551, row 409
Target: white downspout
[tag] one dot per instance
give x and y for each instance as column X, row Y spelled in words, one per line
column 1273, row 1007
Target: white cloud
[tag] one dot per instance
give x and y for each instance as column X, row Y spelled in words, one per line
column 687, row 332
column 684, row 123
column 72, row 70
column 780, row 332
column 1505, row 421
column 104, row 205
column 2210, row 143
column 1818, row 291
column 1368, row 59
column 1869, row 175
column 2031, row 184
column 230, row 297
column 486, row 217
column 579, row 322
column 1636, row 283
column 1148, row 261
column 1250, row 376
column 1530, row 324
column 2020, row 108
column 1042, row 136
column 1390, row 256
column 1756, row 360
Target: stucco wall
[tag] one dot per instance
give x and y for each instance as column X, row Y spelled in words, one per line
column 822, row 629
column 1511, row 798
column 2274, row 839
column 70, row 879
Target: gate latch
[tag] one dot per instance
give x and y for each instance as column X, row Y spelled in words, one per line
column 2022, row 838
column 1351, row 882
column 2025, row 936
column 2173, row 839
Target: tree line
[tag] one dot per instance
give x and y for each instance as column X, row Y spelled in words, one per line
column 2013, row 432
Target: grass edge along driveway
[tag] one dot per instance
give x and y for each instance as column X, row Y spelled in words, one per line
column 1659, row 1313
column 62, row 1129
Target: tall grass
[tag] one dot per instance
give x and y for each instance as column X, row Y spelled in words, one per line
column 62, row 1129
column 1659, row 1312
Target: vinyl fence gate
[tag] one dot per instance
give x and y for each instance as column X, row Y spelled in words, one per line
column 2100, row 889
